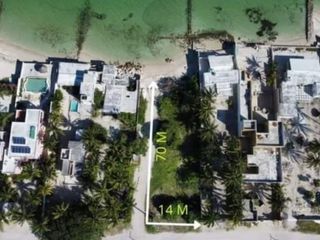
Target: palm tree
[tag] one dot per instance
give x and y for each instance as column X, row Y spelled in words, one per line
column 7, row 89
column 313, row 161
column 60, row 210
column 41, row 227
column 7, row 193
column 209, row 95
column 293, row 152
column 32, row 198
column 20, row 215
column 314, row 146
column 208, row 132
column 206, row 111
column 277, row 200
column 31, row 172
column 210, row 217
column 257, row 190
column 44, row 190
column 298, row 126
column 4, row 217
column 5, row 118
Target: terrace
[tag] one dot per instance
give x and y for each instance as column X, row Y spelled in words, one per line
column 34, row 84
column 119, row 97
column 263, row 165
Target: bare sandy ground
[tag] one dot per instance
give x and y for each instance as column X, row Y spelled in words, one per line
column 10, row 53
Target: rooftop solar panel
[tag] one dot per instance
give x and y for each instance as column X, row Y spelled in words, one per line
column 20, row 149
column 18, row 140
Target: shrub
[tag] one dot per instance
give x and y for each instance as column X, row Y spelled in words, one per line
column 316, row 182
column 309, row 195
column 98, row 99
column 142, row 110
column 128, row 120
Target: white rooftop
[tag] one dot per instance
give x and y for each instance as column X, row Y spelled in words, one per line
column 118, row 98
column 221, row 74
column 305, row 65
column 221, row 62
column 71, row 74
column 302, row 84
column 267, row 162
column 87, row 87
column 24, row 140
column 31, row 69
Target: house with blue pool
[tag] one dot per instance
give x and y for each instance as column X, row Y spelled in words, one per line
column 25, row 141
column 33, row 87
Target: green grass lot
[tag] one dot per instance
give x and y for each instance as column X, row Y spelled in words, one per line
column 130, row 28
column 164, row 176
column 230, row 16
column 308, row 227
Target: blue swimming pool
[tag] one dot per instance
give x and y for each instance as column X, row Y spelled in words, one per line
column 36, row 85
column 74, row 106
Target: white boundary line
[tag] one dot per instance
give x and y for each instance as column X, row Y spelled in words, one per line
column 153, row 86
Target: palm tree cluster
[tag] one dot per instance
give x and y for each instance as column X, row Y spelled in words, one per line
column 277, row 201
column 53, row 130
column 107, row 178
column 313, row 157
column 232, row 176
column 27, row 193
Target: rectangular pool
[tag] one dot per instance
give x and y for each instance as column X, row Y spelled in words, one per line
column 74, row 106
column 36, row 85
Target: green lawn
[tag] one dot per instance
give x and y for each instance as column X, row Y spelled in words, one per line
column 164, row 174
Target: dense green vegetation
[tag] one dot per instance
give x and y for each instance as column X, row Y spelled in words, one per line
column 128, row 120
column 98, row 101
column 313, row 157
column 277, row 201
column 106, row 198
column 177, row 174
column 5, row 119
column 232, row 175
column 187, row 118
column 53, row 130
column 6, row 89
column 142, row 109
column 272, row 75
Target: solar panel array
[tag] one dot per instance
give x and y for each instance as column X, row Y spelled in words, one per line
column 20, row 149
column 18, row 140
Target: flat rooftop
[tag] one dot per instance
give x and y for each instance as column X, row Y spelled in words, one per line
column 24, row 139
column 302, row 83
column 217, row 72
column 118, row 99
column 273, row 136
column 71, row 74
column 266, row 162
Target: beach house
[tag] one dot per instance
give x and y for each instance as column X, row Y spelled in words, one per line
column 26, row 140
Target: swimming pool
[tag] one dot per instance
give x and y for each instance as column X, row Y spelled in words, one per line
column 74, row 106
column 36, row 85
